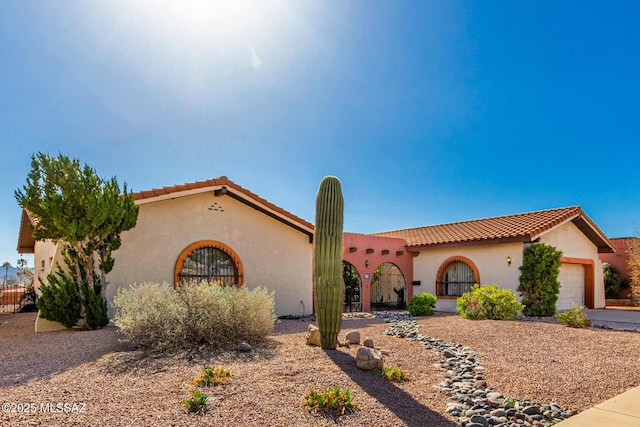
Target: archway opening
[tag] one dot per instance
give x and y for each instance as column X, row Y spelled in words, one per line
column 388, row 287
column 352, row 287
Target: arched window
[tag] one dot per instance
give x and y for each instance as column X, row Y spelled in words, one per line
column 456, row 276
column 208, row 261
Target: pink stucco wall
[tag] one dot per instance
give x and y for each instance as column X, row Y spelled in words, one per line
column 361, row 249
column 621, row 258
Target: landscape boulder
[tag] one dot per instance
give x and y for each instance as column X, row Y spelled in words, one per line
column 353, row 337
column 313, row 335
column 368, row 342
column 369, row 359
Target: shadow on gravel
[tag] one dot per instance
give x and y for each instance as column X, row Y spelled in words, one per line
column 26, row 356
column 398, row 401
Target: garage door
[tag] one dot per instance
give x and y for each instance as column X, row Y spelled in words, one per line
column 571, row 286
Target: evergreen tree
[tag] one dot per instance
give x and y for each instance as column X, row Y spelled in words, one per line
column 72, row 205
column 539, row 285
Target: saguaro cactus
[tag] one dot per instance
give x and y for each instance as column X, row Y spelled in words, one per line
column 328, row 260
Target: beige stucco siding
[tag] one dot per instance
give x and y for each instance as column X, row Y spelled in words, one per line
column 489, row 259
column 273, row 254
column 46, row 254
column 574, row 244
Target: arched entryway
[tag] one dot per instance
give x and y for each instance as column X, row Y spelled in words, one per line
column 352, row 287
column 388, row 287
column 210, row 261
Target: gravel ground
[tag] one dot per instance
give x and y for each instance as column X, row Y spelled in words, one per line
column 114, row 385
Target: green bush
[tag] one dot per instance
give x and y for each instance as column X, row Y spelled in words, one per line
column 422, row 305
column 539, row 285
column 489, row 302
column 95, row 307
column 60, row 300
column 614, row 281
column 157, row 316
column 574, row 318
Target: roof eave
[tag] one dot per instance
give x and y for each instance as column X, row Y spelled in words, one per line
column 472, row 242
column 26, row 242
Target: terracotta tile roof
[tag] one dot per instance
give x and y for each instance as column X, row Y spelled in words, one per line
column 237, row 192
column 524, row 227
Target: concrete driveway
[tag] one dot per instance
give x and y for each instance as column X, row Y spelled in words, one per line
column 614, row 314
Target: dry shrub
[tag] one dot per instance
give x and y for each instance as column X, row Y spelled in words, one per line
column 157, row 316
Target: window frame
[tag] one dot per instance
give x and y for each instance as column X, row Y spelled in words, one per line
column 186, row 252
column 440, row 275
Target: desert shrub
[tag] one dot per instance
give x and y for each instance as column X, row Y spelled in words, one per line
column 539, row 285
column 150, row 315
column 614, row 281
column 489, row 302
column 60, row 300
column 333, row 398
column 574, row 318
column 154, row 315
column 392, row 373
column 197, row 403
column 422, row 305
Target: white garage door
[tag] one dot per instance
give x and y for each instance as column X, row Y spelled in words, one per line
column 571, row 286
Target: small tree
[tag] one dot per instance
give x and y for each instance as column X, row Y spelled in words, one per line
column 87, row 214
column 539, row 285
column 6, row 266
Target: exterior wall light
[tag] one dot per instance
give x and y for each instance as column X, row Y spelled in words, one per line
column 509, row 261
column 366, row 263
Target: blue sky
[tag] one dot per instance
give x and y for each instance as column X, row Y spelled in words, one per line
column 428, row 111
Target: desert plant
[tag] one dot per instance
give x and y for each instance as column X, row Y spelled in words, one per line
column 328, row 281
column 392, row 373
column 574, row 318
column 217, row 375
column 197, row 403
column 157, row 316
column 489, row 302
column 333, row 398
column 539, row 285
column 422, row 305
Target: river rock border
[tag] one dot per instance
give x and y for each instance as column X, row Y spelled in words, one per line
column 475, row 404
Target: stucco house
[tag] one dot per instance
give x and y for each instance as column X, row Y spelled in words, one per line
column 213, row 230
column 219, row 231
column 449, row 258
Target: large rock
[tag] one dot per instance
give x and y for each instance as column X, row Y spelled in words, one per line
column 353, row 337
column 313, row 335
column 369, row 359
column 368, row 342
